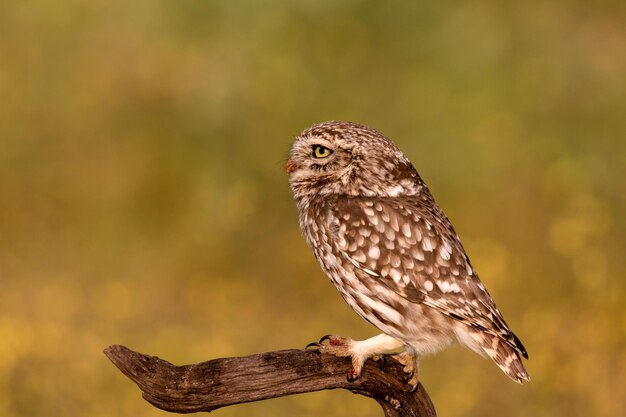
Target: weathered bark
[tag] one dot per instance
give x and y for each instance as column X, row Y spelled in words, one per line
column 217, row 383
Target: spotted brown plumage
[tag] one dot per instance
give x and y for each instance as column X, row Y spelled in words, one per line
column 390, row 250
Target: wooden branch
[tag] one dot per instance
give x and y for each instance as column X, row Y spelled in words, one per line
column 207, row 386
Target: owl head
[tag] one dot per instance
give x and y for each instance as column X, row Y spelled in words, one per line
column 346, row 158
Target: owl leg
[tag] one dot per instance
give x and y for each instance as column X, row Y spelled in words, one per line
column 410, row 360
column 358, row 350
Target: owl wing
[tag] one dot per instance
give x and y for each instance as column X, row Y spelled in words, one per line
column 410, row 247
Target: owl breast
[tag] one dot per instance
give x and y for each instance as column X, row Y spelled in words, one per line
column 414, row 324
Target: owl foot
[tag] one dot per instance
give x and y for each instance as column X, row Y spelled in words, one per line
column 410, row 362
column 358, row 350
column 343, row 347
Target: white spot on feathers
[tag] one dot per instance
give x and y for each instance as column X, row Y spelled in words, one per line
column 427, row 244
column 374, row 252
column 406, row 229
column 445, row 250
column 395, row 191
column 368, row 211
column 408, row 263
column 443, row 286
column 393, row 222
column 392, row 315
column 395, row 275
column 417, row 254
column 359, row 257
column 372, row 273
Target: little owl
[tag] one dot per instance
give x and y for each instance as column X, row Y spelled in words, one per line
column 391, row 252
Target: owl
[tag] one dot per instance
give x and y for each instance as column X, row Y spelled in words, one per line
column 391, row 252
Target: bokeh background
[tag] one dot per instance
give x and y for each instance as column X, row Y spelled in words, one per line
column 143, row 199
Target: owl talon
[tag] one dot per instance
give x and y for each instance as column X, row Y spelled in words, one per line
column 315, row 345
column 409, row 360
column 408, row 377
column 352, row 375
column 411, row 379
column 332, row 341
column 337, row 345
column 412, row 383
column 341, row 343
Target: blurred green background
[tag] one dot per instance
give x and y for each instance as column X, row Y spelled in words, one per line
column 143, row 199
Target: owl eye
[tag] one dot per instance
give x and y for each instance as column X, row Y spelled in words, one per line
column 320, row 151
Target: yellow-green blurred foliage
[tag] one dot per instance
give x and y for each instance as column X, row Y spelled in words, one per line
column 143, row 199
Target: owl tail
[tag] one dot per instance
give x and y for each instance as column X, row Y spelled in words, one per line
column 504, row 355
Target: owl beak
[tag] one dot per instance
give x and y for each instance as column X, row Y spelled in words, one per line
column 290, row 167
